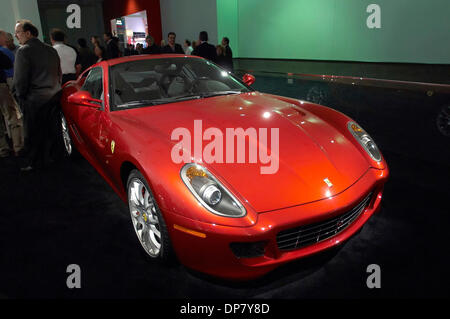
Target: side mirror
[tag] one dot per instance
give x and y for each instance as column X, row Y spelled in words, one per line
column 84, row 98
column 248, row 79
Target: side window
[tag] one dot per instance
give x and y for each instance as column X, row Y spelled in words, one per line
column 94, row 83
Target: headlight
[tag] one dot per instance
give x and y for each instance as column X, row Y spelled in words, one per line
column 365, row 140
column 210, row 192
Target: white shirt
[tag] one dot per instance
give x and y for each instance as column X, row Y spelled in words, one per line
column 67, row 55
column 188, row 50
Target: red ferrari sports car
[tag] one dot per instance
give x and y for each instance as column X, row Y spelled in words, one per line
column 231, row 181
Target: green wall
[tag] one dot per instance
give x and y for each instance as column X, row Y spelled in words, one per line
column 228, row 23
column 412, row 31
column 13, row 10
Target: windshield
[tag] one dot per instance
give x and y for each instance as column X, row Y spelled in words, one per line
column 157, row 81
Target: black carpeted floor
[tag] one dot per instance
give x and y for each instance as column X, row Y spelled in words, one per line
column 68, row 215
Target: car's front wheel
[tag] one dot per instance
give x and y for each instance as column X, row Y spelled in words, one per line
column 148, row 222
column 68, row 145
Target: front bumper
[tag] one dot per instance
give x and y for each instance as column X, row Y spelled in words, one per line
column 212, row 254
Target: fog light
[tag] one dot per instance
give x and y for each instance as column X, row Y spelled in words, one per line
column 248, row 250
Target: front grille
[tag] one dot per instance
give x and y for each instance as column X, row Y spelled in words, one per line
column 306, row 235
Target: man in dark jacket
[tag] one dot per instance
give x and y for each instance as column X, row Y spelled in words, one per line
column 37, row 79
column 112, row 46
column 151, row 48
column 228, row 54
column 172, row 47
column 204, row 49
column 86, row 56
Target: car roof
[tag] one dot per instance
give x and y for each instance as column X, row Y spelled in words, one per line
column 147, row 57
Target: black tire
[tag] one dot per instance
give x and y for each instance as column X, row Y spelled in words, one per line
column 67, row 147
column 166, row 253
column 443, row 121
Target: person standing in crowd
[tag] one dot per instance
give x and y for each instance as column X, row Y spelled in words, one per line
column 95, row 40
column 3, row 47
column 86, row 56
column 187, row 47
column 67, row 55
column 221, row 60
column 99, row 52
column 112, row 48
column 151, row 48
column 130, row 50
column 10, row 43
column 172, row 47
column 204, row 49
column 228, row 54
column 37, row 84
column 9, row 109
column 5, row 64
column 139, row 48
column 8, row 113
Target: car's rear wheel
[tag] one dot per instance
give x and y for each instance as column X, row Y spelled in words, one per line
column 318, row 94
column 68, row 145
column 443, row 121
column 147, row 220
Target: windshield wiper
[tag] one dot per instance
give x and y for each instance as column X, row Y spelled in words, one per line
column 187, row 97
column 177, row 98
column 217, row 93
column 141, row 102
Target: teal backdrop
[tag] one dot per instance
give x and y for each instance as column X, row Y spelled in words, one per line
column 412, row 31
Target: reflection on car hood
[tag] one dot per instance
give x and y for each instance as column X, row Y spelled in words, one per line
column 315, row 160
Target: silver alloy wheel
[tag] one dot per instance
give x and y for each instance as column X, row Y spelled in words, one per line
column 144, row 217
column 65, row 135
column 318, row 95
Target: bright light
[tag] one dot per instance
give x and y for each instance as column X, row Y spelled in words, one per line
column 266, row 115
column 224, row 74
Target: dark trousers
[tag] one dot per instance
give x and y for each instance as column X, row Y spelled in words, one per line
column 42, row 133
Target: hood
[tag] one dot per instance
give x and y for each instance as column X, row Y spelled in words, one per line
column 313, row 160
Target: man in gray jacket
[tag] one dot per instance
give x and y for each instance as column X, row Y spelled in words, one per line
column 37, row 79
